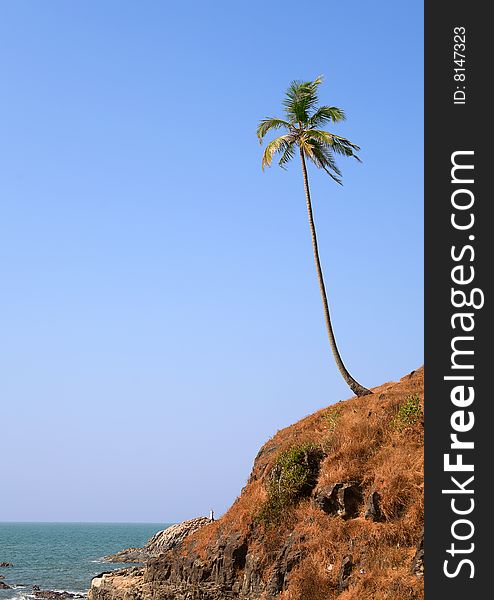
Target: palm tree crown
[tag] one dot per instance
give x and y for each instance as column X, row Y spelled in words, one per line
column 302, row 124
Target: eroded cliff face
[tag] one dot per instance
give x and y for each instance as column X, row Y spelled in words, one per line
column 352, row 531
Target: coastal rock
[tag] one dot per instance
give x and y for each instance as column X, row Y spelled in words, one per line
column 129, row 555
column 120, row 584
column 161, row 542
column 172, row 536
column 51, row 595
column 6, row 564
column 4, row 586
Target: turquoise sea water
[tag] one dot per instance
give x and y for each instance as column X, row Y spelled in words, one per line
column 63, row 556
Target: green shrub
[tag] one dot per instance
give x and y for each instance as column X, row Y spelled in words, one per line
column 331, row 417
column 409, row 413
column 292, row 477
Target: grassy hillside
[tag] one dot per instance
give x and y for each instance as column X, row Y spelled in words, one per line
column 375, row 444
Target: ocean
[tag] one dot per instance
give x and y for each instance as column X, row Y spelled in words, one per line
column 63, row 556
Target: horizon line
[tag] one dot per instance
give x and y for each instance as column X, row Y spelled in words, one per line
column 93, row 522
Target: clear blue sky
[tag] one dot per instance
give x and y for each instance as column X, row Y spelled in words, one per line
column 160, row 314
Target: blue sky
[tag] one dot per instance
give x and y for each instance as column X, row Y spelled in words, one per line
column 160, row 315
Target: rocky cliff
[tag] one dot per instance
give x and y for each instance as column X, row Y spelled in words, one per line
column 333, row 509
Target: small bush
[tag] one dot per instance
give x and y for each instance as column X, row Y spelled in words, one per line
column 292, row 477
column 409, row 413
column 331, row 417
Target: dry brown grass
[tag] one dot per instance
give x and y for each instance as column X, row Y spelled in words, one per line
column 361, row 443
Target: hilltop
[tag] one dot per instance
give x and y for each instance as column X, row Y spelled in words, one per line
column 333, row 509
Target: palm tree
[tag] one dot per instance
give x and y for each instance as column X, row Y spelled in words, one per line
column 302, row 130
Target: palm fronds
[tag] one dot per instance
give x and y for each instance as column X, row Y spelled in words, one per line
column 302, row 124
column 279, row 145
column 325, row 114
column 267, row 125
column 300, row 99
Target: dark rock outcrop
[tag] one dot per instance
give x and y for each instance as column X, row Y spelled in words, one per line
column 4, row 586
column 6, row 564
column 51, row 595
column 373, row 507
column 418, row 559
column 288, row 557
column 342, row 499
column 217, row 570
column 345, row 572
column 228, row 569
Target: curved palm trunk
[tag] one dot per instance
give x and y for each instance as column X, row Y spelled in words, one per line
column 356, row 388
